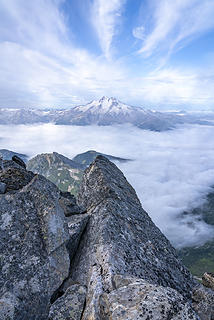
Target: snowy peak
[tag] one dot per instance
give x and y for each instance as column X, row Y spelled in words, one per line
column 107, row 106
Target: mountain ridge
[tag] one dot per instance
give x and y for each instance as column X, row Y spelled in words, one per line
column 103, row 112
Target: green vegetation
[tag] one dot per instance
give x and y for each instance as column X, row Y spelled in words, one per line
column 63, row 172
column 199, row 259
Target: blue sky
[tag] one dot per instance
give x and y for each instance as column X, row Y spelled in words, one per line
column 150, row 53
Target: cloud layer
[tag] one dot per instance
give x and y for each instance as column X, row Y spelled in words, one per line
column 171, row 172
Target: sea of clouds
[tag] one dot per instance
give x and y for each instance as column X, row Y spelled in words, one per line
column 171, row 171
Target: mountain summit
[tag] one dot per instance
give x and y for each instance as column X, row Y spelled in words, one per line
column 110, row 111
column 108, row 106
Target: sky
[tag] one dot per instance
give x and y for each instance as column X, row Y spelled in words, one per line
column 171, row 171
column 149, row 53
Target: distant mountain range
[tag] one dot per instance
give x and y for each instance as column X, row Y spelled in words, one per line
column 8, row 154
column 106, row 111
column 86, row 158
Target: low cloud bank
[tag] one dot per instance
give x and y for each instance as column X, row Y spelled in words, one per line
column 172, row 171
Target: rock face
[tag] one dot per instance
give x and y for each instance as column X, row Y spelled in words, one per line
column 33, row 238
column 120, row 239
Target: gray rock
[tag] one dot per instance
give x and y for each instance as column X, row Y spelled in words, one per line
column 15, row 178
column 69, row 205
column 120, row 238
column 19, row 161
column 70, row 305
column 137, row 299
column 208, row 280
column 11, row 164
column 33, row 236
column 203, row 302
column 76, row 226
column 3, row 187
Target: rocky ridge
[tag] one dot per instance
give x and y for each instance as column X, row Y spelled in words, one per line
column 99, row 258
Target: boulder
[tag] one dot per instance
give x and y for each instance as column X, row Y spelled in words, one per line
column 208, row 280
column 140, row 300
column 120, row 238
column 19, row 161
column 33, row 239
column 15, row 178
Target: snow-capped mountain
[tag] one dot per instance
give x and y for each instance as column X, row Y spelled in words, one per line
column 106, row 111
column 107, row 106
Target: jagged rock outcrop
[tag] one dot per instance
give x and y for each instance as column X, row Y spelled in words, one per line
column 33, row 238
column 107, row 261
column 121, row 239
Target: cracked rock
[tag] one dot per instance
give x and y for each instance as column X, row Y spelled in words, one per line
column 137, row 299
column 33, row 237
column 70, row 305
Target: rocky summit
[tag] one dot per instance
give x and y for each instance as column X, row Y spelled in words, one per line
column 98, row 258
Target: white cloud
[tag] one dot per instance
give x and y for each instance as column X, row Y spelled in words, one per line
column 171, row 172
column 177, row 21
column 105, row 17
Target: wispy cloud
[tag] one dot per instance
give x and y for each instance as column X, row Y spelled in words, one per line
column 42, row 66
column 175, row 23
column 105, row 17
